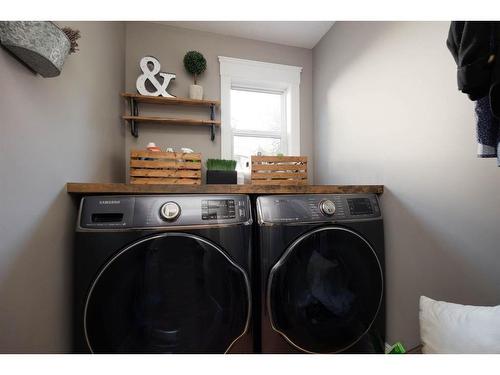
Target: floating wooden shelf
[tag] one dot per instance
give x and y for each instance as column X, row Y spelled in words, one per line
column 161, row 100
column 173, row 121
column 134, row 118
column 117, row 188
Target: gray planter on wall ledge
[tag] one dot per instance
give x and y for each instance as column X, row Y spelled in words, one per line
column 41, row 45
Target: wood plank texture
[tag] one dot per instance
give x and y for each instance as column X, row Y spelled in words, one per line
column 279, row 167
column 166, row 155
column 164, row 164
column 175, row 101
column 278, row 175
column 166, row 173
column 279, row 159
column 273, row 182
column 172, row 121
column 166, row 181
column 147, row 167
column 283, row 170
column 121, row 188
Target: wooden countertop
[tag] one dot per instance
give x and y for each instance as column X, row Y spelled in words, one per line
column 78, row 188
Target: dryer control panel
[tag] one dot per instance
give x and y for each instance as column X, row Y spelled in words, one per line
column 316, row 208
column 132, row 212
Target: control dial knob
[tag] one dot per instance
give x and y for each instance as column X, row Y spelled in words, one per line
column 170, row 211
column 327, row 207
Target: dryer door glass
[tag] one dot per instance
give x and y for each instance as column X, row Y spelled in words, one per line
column 325, row 291
column 171, row 293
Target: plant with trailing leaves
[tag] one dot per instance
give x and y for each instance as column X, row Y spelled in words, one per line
column 73, row 36
column 195, row 64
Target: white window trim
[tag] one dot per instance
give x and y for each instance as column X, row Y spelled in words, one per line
column 265, row 76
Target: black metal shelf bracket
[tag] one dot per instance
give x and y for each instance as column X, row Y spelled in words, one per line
column 212, row 117
column 134, row 111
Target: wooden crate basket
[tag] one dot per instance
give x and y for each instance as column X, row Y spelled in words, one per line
column 279, row 170
column 168, row 168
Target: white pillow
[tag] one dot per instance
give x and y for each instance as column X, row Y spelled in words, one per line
column 453, row 328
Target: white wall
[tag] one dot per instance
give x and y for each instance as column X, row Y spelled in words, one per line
column 54, row 130
column 387, row 111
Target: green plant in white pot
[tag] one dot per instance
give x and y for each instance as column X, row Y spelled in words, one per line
column 195, row 64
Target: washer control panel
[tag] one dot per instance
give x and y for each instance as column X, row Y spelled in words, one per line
column 123, row 212
column 360, row 206
column 213, row 209
column 316, row 208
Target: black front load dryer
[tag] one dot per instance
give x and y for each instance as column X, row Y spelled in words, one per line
column 321, row 260
column 163, row 274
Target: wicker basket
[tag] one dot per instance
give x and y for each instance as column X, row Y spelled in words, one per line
column 279, row 170
column 169, row 168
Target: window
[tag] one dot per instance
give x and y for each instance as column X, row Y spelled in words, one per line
column 258, row 123
column 259, row 109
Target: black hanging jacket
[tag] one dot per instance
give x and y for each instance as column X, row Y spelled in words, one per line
column 474, row 47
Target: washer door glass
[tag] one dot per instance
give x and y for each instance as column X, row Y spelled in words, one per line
column 325, row 291
column 171, row 293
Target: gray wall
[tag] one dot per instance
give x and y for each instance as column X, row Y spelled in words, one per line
column 387, row 111
column 54, row 130
column 69, row 129
column 169, row 44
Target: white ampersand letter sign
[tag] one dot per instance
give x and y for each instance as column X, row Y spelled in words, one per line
column 150, row 75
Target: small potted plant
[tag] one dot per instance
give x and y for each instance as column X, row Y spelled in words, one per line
column 220, row 171
column 195, row 64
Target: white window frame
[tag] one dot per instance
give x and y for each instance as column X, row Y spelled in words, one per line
column 261, row 76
